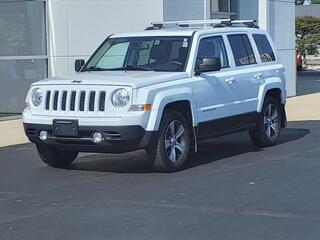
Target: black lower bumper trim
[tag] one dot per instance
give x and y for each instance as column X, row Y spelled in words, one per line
column 117, row 139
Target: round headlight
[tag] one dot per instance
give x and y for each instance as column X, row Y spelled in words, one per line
column 120, row 98
column 36, row 96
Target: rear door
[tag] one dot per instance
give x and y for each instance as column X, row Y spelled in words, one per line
column 247, row 75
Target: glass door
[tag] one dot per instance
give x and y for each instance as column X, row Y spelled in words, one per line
column 23, row 51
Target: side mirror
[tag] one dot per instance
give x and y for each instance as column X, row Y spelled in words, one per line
column 78, row 64
column 209, row 65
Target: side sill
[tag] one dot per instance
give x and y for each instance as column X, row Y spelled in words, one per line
column 227, row 125
column 229, row 131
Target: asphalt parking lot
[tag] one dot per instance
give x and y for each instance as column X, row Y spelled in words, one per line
column 230, row 190
column 308, row 82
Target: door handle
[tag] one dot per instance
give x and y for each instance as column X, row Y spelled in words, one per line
column 258, row 76
column 230, row 80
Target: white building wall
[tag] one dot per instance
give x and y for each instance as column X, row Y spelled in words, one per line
column 184, row 9
column 77, row 27
column 278, row 18
column 249, row 9
column 281, row 26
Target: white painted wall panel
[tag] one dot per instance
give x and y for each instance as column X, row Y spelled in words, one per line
column 77, row 27
column 249, row 9
column 287, row 58
column 184, row 9
column 282, row 29
column 278, row 17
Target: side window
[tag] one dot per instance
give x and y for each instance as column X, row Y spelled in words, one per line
column 264, row 47
column 241, row 49
column 212, row 47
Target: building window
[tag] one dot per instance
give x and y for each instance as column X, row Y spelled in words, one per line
column 23, row 51
column 224, row 8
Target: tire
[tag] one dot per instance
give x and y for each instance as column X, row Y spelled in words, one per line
column 55, row 157
column 171, row 150
column 268, row 127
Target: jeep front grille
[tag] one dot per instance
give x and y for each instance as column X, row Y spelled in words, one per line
column 75, row 101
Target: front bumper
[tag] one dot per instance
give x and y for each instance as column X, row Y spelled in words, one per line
column 117, row 139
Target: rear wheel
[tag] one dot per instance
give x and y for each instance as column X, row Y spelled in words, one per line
column 172, row 147
column 267, row 131
column 56, row 157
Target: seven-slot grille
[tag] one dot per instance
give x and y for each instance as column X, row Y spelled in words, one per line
column 63, row 100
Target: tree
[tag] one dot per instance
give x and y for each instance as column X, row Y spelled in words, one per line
column 315, row 1
column 308, row 34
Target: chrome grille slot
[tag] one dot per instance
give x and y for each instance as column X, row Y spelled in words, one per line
column 48, row 100
column 75, row 101
column 64, row 101
column 91, row 101
column 82, row 100
column 55, row 100
column 102, row 101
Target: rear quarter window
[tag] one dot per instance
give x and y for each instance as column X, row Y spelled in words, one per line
column 264, row 48
column 242, row 50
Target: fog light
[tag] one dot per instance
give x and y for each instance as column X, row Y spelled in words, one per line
column 43, row 135
column 97, row 137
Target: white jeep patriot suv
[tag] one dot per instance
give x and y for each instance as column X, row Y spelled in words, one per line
column 162, row 90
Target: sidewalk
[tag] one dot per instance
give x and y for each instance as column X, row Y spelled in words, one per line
column 12, row 133
column 301, row 108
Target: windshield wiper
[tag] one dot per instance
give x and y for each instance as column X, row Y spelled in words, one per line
column 94, row 68
column 131, row 68
column 127, row 68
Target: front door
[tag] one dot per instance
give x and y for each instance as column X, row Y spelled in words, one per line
column 216, row 91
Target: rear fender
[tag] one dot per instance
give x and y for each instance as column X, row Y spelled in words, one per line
column 271, row 83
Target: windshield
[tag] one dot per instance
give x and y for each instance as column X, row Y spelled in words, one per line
column 141, row 54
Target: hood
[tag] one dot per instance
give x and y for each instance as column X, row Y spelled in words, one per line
column 134, row 79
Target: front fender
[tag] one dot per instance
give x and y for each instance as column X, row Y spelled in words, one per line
column 268, row 84
column 165, row 97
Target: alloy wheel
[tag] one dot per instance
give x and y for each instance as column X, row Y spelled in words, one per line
column 175, row 141
column 271, row 121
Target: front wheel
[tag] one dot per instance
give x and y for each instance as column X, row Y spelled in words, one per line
column 267, row 131
column 56, row 157
column 173, row 146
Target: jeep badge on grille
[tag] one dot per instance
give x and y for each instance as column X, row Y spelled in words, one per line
column 76, row 81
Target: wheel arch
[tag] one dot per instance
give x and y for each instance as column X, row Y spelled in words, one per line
column 274, row 87
column 279, row 94
column 177, row 99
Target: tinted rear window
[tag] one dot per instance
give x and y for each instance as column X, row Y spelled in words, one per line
column 264, row 47
column 241, row 49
